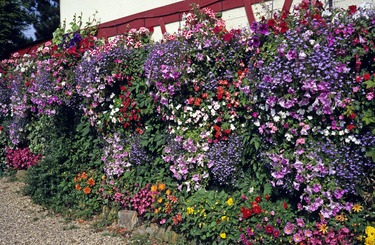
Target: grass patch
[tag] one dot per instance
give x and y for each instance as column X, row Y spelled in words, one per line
column 35, row 219
column 72, row 227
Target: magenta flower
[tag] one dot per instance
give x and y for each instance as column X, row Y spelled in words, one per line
column 276, row 233
column 269, row 228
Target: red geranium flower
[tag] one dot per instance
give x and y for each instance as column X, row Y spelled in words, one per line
column 257, row 209
column 358, row 78
column 283, row 27
column 285, row 205
column 122, row 88
column 267, row 196
column 151, row 29
column 227, row 37
column 242, row 209
column 350, row 127
column 367, row 76
column 218, row 221
column 198, row 101
column 271, row 22
column 258, row 199
column 191, row 100
column 247, row 213
column 352, row 116
column 318, row 17
column 353, row 9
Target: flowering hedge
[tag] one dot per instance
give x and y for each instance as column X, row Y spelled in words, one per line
column 284, row 109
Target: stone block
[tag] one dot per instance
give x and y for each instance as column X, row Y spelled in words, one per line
column 127, row 219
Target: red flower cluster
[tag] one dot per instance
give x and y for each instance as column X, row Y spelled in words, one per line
column 246, row 212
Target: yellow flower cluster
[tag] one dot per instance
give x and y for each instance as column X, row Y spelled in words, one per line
column 370, row 232
column 190, row 210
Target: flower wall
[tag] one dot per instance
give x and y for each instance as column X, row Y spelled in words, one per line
column 284, row 109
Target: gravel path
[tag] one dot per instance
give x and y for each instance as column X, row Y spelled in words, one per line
column 22, row 222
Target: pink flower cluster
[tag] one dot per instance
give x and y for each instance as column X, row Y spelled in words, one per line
column 21, row 158
column 143, row 199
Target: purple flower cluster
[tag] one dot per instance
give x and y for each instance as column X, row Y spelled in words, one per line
column 226, row 157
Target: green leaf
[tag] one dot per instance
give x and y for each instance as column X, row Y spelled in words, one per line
column 256, row 144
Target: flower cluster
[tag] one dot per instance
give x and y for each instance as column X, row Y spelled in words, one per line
column 21, row 158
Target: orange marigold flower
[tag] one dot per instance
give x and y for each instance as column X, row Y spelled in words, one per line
column 84, row 175
column 87, row 190
column 156, row 211
column 91, row 182
column 154, row 188
column 78, row 187
column 161, row 187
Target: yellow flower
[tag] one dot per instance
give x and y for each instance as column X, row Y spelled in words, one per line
column 323, row 228
column 154, row 188
column 357, row 207
column 190, row 210
column 223, row 235
column 369, row 240
column 230, row 201
column 223, row 218
column 169, row 192
column 370, row 231
column 161, row 187
column 160, row 200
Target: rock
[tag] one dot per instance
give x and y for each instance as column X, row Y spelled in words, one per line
column 152, row 229
column 21, row 175
column 105, row 211
column 166, row 235
column 127, row 219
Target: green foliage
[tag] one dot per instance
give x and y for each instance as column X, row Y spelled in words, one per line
column 47, row 14
column 14, row 18
column 70, row 149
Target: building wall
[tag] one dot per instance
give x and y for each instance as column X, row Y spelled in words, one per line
column 107, row 10
column 114, row 13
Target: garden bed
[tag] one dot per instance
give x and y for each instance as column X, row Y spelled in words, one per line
column 259, row 135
